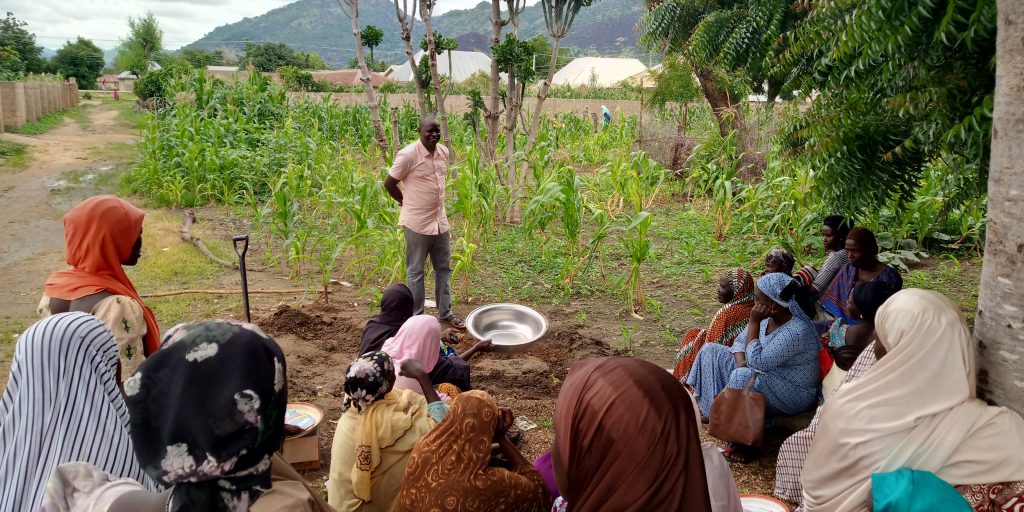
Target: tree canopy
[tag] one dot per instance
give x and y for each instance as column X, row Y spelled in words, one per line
column 81, row 59
column 372, row 36
column 144, row 43
column 18, row 50
column 268, row 57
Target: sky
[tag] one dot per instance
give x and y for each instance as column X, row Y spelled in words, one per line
column 105, row 21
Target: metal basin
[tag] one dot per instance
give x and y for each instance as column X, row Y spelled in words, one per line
column 511, row 327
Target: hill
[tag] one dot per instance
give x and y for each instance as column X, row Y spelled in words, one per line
column 318, row 26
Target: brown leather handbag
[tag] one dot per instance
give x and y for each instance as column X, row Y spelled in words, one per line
column 737, row 416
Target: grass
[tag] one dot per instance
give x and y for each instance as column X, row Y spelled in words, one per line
column 10, row 329
column 13, row 156
column 49, row 122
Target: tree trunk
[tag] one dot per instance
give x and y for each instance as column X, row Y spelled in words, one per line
column 407, row 19
column 515, row 213
column 492, row 114
column 442, row 116
column 999, row 326
column 727, row 111
column 371, row 99
column 511, row 116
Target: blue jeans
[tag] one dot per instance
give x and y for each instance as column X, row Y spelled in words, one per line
column 439, row 247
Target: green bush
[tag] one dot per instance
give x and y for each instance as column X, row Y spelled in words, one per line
column 87, row 96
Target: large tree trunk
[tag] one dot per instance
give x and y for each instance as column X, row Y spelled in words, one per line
column 492, row 113
column 442, row 116
column 999, row 327
column 407, row 20
column 728, row 111
column 364, row 72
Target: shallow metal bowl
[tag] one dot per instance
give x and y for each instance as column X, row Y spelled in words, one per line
column 511, row 327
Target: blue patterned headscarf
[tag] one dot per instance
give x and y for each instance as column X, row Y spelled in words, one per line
column 773, row 284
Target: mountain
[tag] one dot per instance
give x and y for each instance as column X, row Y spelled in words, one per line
column 318, row 26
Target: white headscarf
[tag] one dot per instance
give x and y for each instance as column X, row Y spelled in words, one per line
column 62, row 405
column 915, row 408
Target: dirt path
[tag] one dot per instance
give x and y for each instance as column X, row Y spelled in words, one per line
column 31, row 233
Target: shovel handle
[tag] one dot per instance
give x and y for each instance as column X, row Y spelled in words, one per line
column 245, row 245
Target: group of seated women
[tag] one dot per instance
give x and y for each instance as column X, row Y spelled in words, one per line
column 99, row 419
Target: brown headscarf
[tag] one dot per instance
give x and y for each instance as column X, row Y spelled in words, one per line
column 627, row 434
column 449, row 468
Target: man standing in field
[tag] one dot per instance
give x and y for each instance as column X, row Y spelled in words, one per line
column 421, row 168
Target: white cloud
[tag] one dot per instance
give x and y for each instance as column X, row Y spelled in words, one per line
column 183, row 21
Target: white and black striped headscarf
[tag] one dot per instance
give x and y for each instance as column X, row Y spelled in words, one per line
column 62, row 405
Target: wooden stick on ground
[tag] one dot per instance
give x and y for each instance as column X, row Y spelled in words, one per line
column 226, row 292
column 186, row 234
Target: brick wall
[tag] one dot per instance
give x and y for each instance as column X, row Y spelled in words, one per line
column 25, row 102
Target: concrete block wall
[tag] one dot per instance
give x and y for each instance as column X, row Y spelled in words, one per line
column 31, row 100
column 74, row 93
column 12, row 101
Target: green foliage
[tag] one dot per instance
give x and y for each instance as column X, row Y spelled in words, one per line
column 296, row 79
column 441, row 43
column 372, row 36
column 902, row 85
column 378, row 66
column 741, row 36
column 269, row 57
column 158, row 84
column 200, row 59
column 140, row 48
column 13, row 155
column 515, row 57
column 18, row 50
column 82, row 60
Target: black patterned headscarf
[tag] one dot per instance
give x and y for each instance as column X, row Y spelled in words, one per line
column 368, row 379
column 207, row 413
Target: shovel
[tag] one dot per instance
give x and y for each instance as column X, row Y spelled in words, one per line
column 241, row 267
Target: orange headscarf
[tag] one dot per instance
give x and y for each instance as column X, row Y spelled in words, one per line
column 99, row 234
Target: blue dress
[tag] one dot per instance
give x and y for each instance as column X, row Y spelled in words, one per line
column 786, row 361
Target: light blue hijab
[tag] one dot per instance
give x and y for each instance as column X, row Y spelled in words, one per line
column 772, row 286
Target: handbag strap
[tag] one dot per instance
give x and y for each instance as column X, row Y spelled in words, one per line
column 750, row 383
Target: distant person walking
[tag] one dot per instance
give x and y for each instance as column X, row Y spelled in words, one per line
column 421, row 168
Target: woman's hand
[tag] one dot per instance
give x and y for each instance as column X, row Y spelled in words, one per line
column 480, row 346
column 505, row 421
column 759, row 313
column 412, row 369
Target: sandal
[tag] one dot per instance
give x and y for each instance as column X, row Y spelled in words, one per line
column 456, row 322
column 737, row 454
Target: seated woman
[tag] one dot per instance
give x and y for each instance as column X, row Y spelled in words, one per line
column 395, row 309
column 833, row 236
column 450, row 467
column 848, row 341
column 419, row 339
column 780, row 347
column 793, row 452
column 736, row 291
column 626, row 438
column 779, row 260
column 376, row 433
column 207, row 416
column 62, row 404
column 917, row 409
column 101, row 234
column 862, row 250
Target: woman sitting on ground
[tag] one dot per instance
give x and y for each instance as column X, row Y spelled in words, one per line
column 450, row 468
column 207, row 416
column 848, row 341
column 862, row 250
column 419, row 339
column 101, row 234
column 779, row 260
column 626, row 439
column 376, row 433
column 916, row 408
column 780, row 347
column 833, row 236
column 62, row 404
column 395, row 309
column 736, row 291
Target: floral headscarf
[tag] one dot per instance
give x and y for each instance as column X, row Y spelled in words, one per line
column 368, row 379
column 207, row 413
column 781, row 258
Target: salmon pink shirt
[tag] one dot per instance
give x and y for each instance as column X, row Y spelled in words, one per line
column 423, row 178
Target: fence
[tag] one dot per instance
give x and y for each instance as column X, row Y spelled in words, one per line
column 26, row 102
